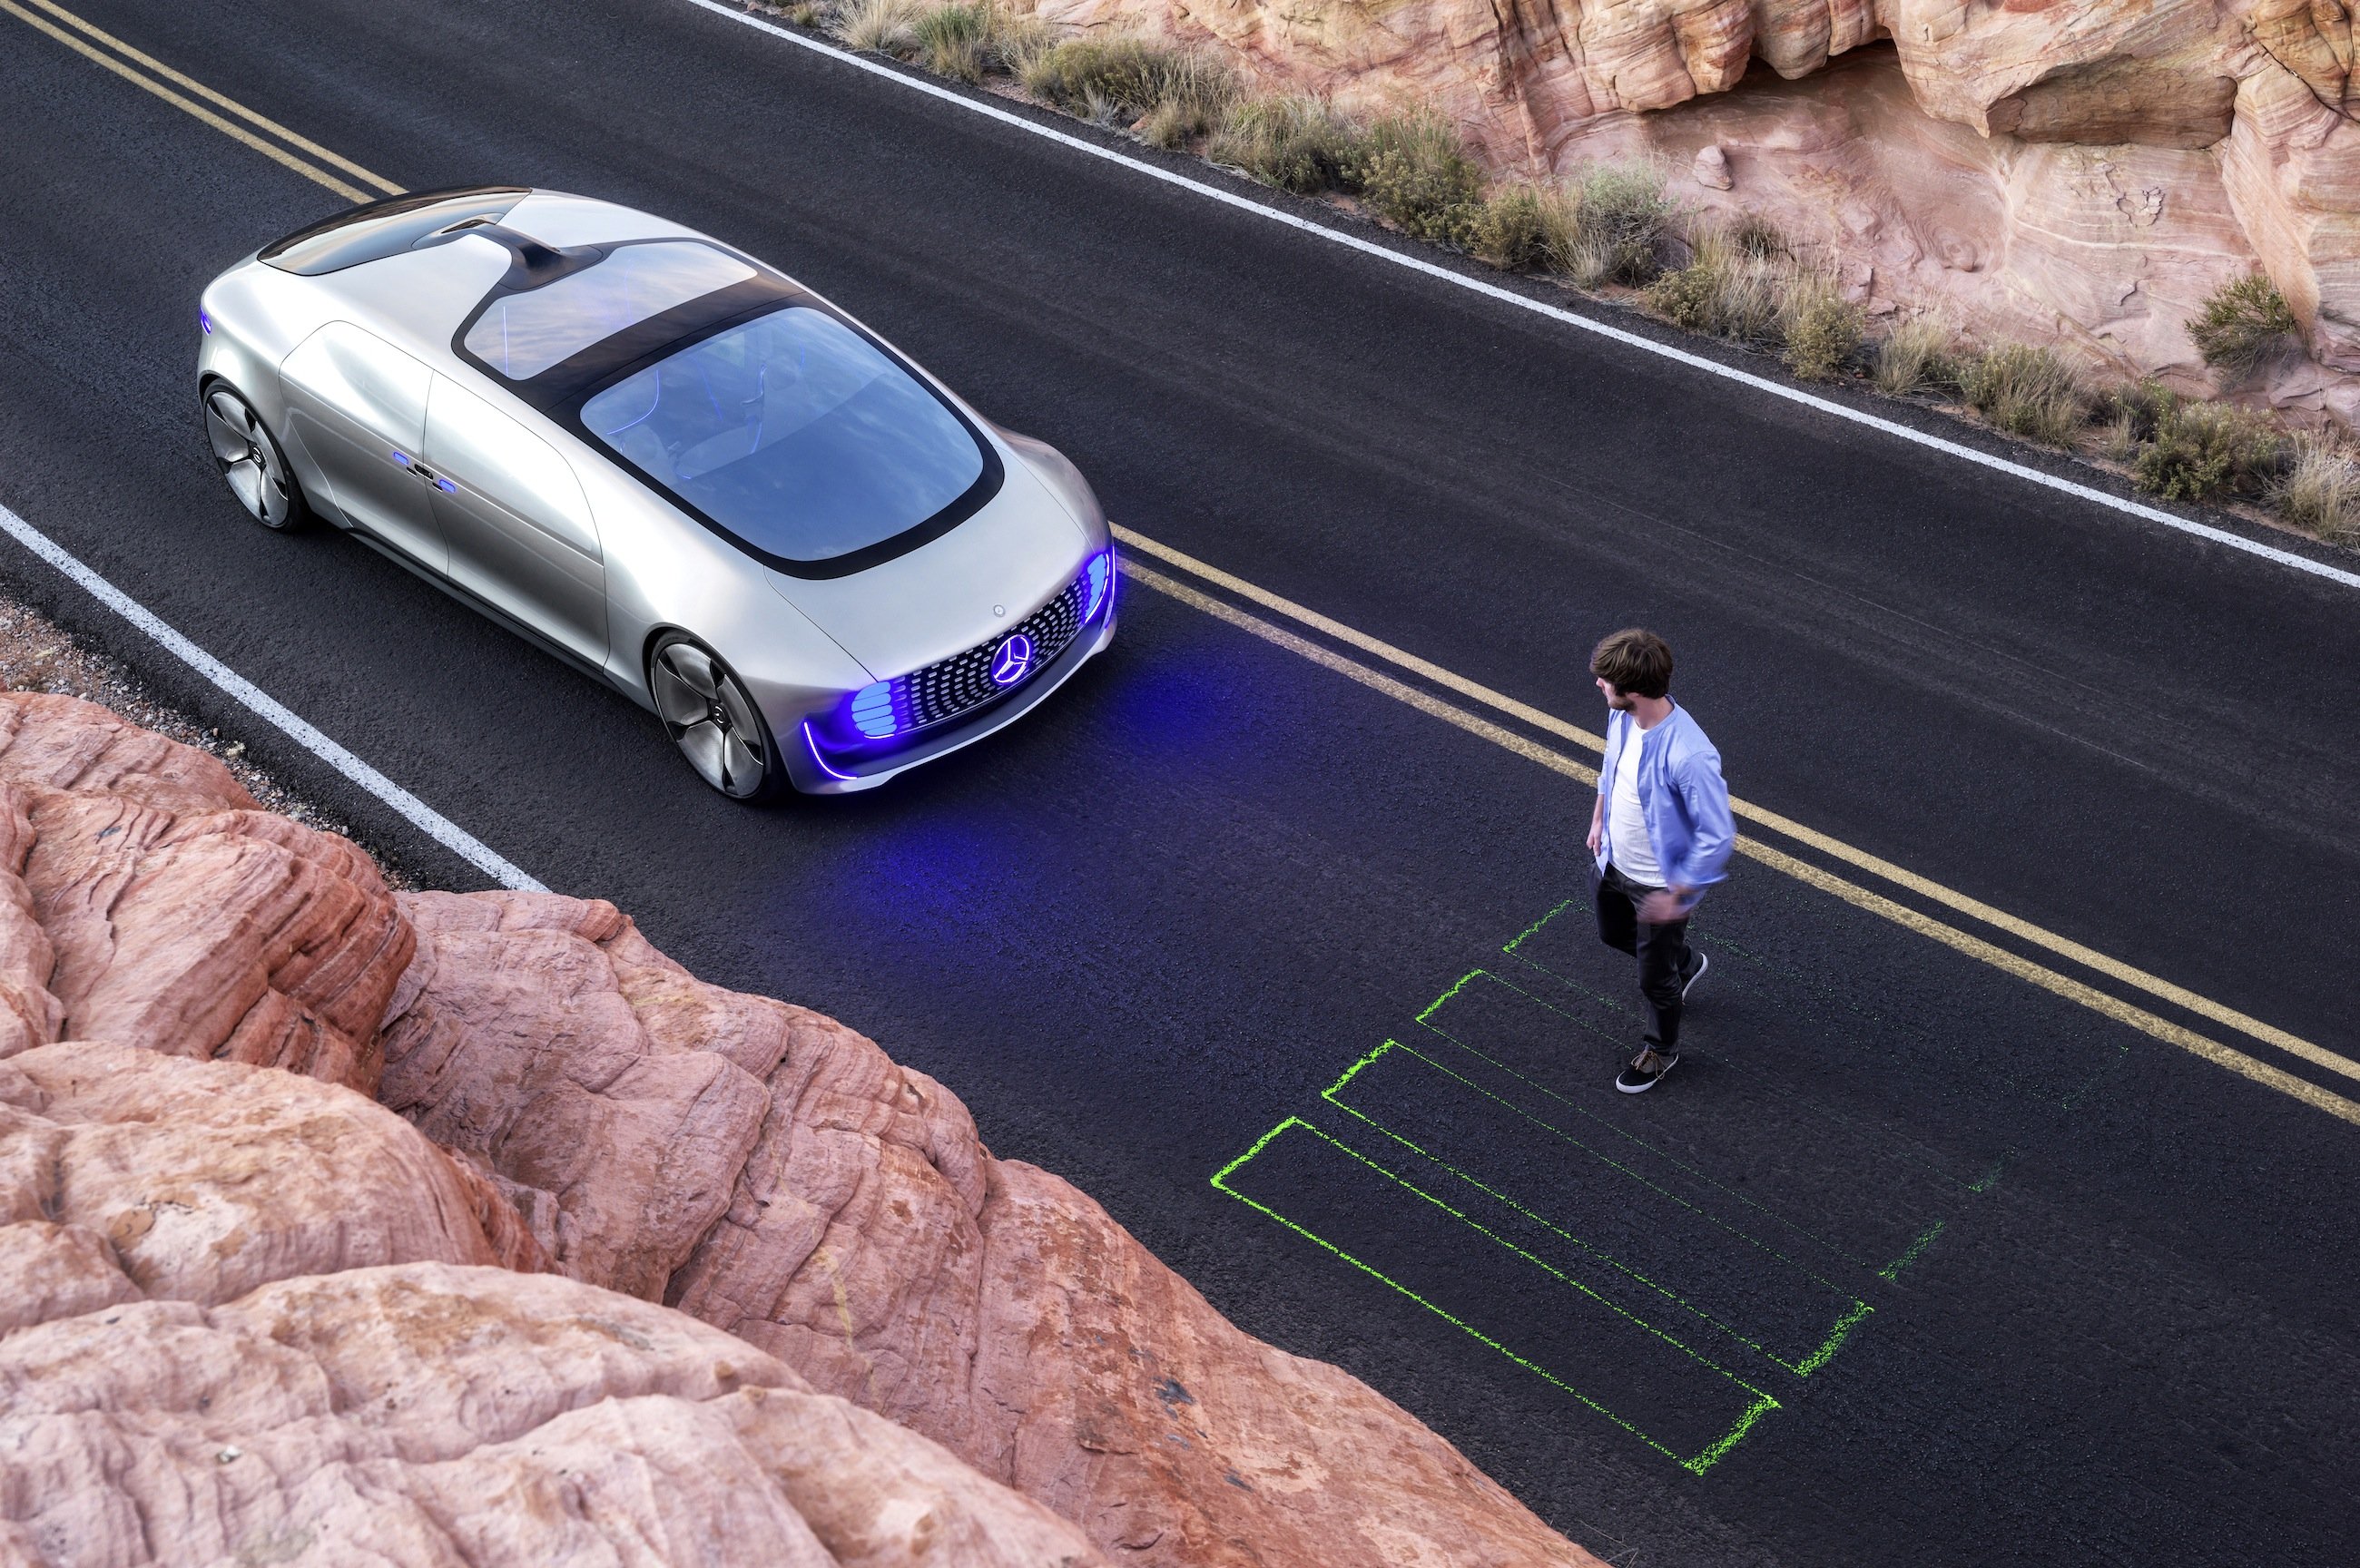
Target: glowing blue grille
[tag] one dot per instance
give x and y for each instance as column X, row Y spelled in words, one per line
column 964, row 683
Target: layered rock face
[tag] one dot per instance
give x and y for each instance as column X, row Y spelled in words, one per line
column 777, row 1175
column 2073, row 112
column 645, row 1271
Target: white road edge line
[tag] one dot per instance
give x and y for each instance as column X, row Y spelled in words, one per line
column 433, row 823
column 1509, row 296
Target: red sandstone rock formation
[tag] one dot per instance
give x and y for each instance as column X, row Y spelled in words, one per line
column 777, row 1175
column 2089, row 166
column 146, row 898
column 253, row 1315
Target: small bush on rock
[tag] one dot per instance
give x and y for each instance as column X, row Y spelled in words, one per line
column 2321, row 489
column 1915, row 358
column 1821, row 328
column 2025, row 391
column 2205, row 451
column 2241, row 324
column 1170, row 93
column 1619, row 212
column 1297, row 144
column 1413, row 170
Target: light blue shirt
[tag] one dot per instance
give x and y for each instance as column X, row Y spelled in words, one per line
column 1681, row 796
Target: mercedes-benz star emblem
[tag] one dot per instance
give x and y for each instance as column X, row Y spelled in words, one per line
column 1012, row 660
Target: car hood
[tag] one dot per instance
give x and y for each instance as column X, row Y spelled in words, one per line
column 952, row 593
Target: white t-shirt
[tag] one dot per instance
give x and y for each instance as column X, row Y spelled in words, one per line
column 1629, row 849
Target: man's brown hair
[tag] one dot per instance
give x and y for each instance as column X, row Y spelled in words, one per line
column 1634, row 661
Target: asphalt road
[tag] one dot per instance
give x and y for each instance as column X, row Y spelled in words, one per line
column 2108, row 1290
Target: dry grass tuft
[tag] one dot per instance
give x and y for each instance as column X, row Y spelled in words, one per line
column 2027, row 391
column 1166, row 93
column 1524, row 227
column 1620, row 213
column 1297, row 144
column 2320, row 489
column 1915, row 356
column 876, row 27
column 1721, row 290
column 1412, row 170
column 1822, row 330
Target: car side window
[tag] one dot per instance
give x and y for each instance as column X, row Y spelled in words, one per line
column 365, row 378
column 474, row 445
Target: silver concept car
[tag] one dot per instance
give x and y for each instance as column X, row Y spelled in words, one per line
column 667, row 464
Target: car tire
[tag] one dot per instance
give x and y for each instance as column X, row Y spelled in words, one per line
column 251, row 461
column 710, row 716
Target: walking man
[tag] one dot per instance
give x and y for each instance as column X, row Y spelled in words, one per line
column 1660, row 835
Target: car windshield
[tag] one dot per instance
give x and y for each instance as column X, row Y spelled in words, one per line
column 521, row 335
column 794, row 434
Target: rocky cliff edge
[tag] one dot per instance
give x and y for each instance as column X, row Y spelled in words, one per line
column 643, row 1271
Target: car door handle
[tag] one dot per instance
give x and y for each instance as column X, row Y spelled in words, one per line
column 421, row 472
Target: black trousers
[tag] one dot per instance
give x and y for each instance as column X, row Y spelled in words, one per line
column 1661, row 951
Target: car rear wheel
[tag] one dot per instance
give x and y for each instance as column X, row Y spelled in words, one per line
column 252, row 463
column 713, row 721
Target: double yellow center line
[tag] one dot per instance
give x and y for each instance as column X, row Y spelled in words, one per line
column 242, row 125
column 1879, row 904
column 153, row 74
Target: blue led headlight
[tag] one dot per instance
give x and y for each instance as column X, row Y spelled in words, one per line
column 1101, row 573
column 872, row 710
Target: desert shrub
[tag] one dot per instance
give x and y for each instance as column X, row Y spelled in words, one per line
column 1915, row 356
column 1413, row 170
column 1619, row 212
column 1522, row 226
column 1014, row 43
column 1170, row 93
column 2320, row 489
column 953, row 40
column 880, row 27
column 1297, row 144
column 805, row 15
column 2027, row 391
column 1721, row 290
column 1820, row 328
column 2207, row 451
column 2241, row 322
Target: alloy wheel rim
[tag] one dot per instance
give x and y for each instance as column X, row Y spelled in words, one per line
column 711, row 719
column 248, row 458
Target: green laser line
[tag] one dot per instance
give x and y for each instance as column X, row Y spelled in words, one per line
column 1518, row 940
column 1836, row 1337
column 1802, row 1370
column 1763, row 1402
column 1915, row 1250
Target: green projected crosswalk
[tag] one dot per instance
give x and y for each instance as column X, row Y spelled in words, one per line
column 1672, row 1273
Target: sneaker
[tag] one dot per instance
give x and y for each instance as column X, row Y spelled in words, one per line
column 1637, row 1079
column 1703, row 962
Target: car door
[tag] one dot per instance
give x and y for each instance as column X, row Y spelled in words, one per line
column 358, row 405
column 513, row 515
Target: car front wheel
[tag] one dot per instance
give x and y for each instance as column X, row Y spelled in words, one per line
column 715, row 725
column 251, row 461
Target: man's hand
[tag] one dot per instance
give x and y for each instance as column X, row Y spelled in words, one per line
column 1664, row 906
column 1595, row 834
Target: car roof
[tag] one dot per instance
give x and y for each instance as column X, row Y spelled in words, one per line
column 413, row 269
